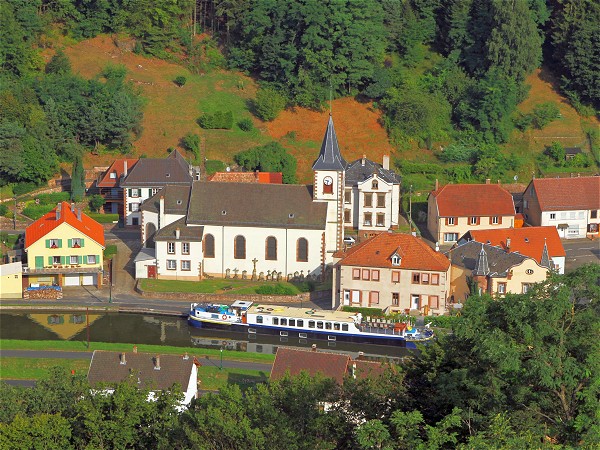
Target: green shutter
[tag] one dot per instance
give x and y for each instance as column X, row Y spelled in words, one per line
column 79, row 259
column 129, row 191
column 85, row 259
column 63, row 259
column 97, row 259
column 39, row 262
column 59, row 243
column 81, row 243
column 47, row 243
column 70, row 243
column 49, row 260
column 149, row 192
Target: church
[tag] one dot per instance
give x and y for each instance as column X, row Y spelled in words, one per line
column 265, row 231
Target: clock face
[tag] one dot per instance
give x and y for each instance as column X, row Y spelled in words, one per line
column 328, row 181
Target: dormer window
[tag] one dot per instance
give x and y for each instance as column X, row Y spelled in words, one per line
column 113, row 175
column 168, row 175
column 396, row 259
column 375, row 185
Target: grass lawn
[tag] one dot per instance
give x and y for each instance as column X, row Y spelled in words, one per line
column 207, row 286
column 81, row 346
column 35, row 368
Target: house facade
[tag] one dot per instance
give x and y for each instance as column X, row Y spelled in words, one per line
column 64, row 248
column 535, row 242
column 454, row 209
column 571, row 205
column 11, row 282
column 109, row 185
column 491, row 270
column 394, row 272
column 148, row 177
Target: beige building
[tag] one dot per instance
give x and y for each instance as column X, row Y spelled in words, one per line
column 494, row 270
column 11, row 283
column 454, row 209
column 394, row 272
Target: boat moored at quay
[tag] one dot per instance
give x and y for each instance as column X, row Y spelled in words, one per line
column 304, row 323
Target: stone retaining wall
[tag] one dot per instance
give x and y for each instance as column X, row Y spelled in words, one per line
column 230, row 298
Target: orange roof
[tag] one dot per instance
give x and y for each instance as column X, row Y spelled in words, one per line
column 464, row 200
column 248, row 177
column 560, row 194
column 378, row 251
column 528, row 241
column 117, row 166
column 48, row 222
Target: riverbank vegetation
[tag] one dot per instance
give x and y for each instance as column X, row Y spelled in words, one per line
column 518, row 372
column 225, row 286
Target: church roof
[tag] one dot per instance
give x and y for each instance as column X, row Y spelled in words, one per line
column 255, row 205
column 330, row 157
column 362, row 169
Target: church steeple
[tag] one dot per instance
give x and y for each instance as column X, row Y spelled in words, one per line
column 330, row 157
column 482, row 267
column 545, row 261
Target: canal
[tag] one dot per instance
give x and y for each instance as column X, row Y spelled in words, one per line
column 173, row 331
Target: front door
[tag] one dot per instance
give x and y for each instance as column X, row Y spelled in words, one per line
column 151, row 271
column 414, row 301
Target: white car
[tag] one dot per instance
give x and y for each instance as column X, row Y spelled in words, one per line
column 349, row 240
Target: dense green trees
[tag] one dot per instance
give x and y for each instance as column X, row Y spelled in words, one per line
column 272, row 157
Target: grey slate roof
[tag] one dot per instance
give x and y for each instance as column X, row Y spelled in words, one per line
column 482, row 268
column 499, row 261
column 177, row 198
column 186, row 233
column 255, row 205
column 106, row 367
column 158, row 172
column 545, row 260
column 357, row 173
column 330, row 157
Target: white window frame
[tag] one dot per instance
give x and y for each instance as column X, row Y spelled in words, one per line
column 91, row 259
column 135, row 193
column 186, row 265
column 171, row 248
column 552, row 216
column 135, row 207
column 448, row 235
column 451, row 221
column 171, row 264
column 73, row 260
column 55, row 260
column 185, row 248
column 113, row 175
column 495, row 220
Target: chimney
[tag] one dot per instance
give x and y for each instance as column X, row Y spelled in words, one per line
column 360, row 355
column 73, row 208
column 437, row 184
column 362, row 161
column 437, row 246
column 123, row 361
column 79, row 214
column 135, row 349
column 386, row 162
column 186, row 356
column 58, row 211
column 177, row 233
column 161, row 212
column 507, row 244
column 487, row 181
column 157, row 362
column 124, row 168
column 313, row 348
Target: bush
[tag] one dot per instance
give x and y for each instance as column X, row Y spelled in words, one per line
column 219, row 120
column 24, row 188
column 3, row 209
column 557, row 152
column 246, row 124
column 457, row 153
column 36, row 211
column 441, row 321
column 53, row 198
column 213, row 166
column 272, row 157
column 523, row 121
column 180, row 80
column 269, row 103
column 104, row 218
column 545, row 113
column 110, row 251
column 276, row 289
column 191, row 142
column 96, row 202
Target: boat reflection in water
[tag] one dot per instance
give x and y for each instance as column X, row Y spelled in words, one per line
column 165, row 330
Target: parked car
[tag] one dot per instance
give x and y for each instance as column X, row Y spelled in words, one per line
column 349, row 240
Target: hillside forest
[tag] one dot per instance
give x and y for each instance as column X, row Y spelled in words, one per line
column 520, row 373
column 445, row 74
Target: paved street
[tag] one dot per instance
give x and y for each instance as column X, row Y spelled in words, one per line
column 580, row 252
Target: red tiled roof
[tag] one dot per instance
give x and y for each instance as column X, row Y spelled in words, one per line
column 117, row 166
column 247, row 177
column 377, row 252
column 330, row 365
column 563, row 194
column 48, row 222
column 528, row 241
column 464, row 200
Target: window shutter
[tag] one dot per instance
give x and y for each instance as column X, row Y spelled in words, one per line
column 79, row 258
column 478, row 220
column 70, row 243
column 39, row 262
column 499, row 219
column 59, row 243
column 446, row 221
column 97, row 259
column 85, row 259
column 47, row 243
column 63, row 259
column 129, row 191
column 491, row 220
column 49, row 260
column 82, row 242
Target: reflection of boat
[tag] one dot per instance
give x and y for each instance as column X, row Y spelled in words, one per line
column 303, row 323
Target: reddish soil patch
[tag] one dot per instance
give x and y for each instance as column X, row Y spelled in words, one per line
column 356, row 124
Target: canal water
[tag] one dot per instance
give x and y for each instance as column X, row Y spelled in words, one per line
column 174, row 331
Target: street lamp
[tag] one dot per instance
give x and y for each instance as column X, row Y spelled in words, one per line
column 221, row 366
column 110, row 282
column 15, row 214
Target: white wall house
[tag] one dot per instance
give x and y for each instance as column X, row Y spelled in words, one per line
column 572, row 205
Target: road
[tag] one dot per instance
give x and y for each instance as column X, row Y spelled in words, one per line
column 580, row 252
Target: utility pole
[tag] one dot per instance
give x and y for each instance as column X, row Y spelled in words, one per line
column 15, row 214
column 410, row 208
column 221, row 366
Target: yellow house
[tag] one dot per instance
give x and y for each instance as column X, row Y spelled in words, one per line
column 11, row 283
column 64, row 248
column 494, row 270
